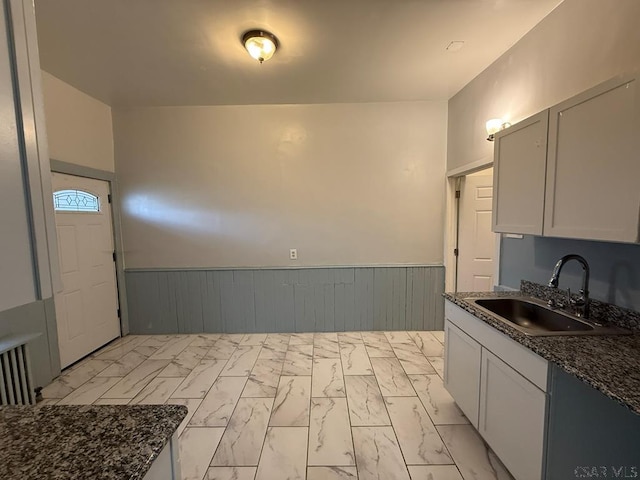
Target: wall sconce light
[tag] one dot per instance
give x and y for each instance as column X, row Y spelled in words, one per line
column 494, row 126
column 260, row 44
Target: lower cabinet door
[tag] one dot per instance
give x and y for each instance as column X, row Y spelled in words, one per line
column 512, row 417
column 462, row 370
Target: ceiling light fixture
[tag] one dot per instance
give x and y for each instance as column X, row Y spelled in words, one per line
column 494, row 126
column 260, row 44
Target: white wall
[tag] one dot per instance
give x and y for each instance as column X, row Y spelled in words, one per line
column 79, row 127
column 580, row 44
column 235, row 186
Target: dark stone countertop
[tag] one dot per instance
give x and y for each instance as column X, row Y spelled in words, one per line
column 84, row 442
column 610, row 364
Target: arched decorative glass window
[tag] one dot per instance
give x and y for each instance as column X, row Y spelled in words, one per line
column 75, row 201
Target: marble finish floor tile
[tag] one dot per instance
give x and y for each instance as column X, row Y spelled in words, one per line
column 284, row 454
column 439, row 334
column 428, row 344
column 264, row 378
column 137, row 379
column 355, row 360
column 273, row 351
column 330, row 441
column 330, row 408
column 207, row 340
column 434, row 472
column 243, row 438
column 438, row 365
column 146, row 350
column 380, row 350
column 419, row 441
column 90, row 391
column 254, row 339
column 373, row 338
column 157, row 391
column 242, row 361
column 325, row 336
column 391, row 378
column 291, row 405
column 324, row 348
column 183, row 363
column 332, row 473
column 222, row 350
column 112, row 401
column 231, row 473
column 473, row 458
column 217, row 406
column 124, row 365
column 301, row 339
column 196, row 449
column 366, row 406
column 199, row 381
column 172, row 348
column 437, row 401
column 192, row 405
column 412, row 359
column 378, row 455
column 75, row 377
column 350, row 337
column 119, row 349
column 278, row 338
column 398, row 337
column 327, row 379
column 298, row 360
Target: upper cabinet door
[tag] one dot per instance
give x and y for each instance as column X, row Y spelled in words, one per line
column 520, row 157
column 593, row 171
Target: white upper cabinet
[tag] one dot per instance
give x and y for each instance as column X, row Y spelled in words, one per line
column 520, row 157
column 585, row 181
column 593, row 167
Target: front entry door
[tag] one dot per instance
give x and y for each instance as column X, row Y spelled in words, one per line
column 87, row 307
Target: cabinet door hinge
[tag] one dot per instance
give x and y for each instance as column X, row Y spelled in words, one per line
column 457, row 193
column 109, row 198
column 456, row 252
column 114, row 256
column 118, row 313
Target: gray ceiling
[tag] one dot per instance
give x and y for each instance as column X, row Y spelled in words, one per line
column 188, row 52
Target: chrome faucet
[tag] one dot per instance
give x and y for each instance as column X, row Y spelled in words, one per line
column 582, row 303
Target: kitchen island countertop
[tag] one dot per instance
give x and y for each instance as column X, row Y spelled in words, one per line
column 111, row 442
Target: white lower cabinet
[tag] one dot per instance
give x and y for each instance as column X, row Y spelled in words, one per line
column 167, row 465
column 462, row 370
column 501, row 387
column 512, row 417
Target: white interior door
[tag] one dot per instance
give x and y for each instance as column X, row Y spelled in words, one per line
column 87, row 308
column 476, row 241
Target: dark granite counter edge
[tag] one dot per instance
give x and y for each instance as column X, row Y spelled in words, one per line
column 180, row 414
column 536, row 344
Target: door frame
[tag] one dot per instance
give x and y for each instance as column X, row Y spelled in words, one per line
column 451, row 224
column 58, row 166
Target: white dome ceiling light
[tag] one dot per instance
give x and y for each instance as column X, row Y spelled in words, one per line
column 260, row 44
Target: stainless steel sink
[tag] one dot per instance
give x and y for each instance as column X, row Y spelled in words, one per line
column 532, row 317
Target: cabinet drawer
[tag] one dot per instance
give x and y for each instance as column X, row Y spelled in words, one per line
column 531, row 366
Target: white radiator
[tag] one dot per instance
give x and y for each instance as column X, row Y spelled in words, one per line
column 16, row 381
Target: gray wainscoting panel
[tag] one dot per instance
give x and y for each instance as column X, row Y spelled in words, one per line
column 286, row 300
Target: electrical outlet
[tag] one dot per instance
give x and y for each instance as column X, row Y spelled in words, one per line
column 293, row 254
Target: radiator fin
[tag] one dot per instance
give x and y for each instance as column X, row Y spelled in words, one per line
column 16, row 382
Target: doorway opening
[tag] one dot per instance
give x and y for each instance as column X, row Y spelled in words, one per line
column 473, row 247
